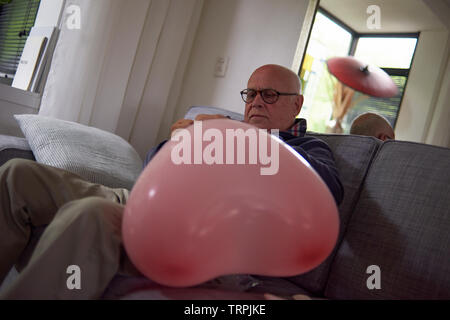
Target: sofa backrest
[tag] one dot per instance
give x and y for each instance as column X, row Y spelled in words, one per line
column 353, row 156
column 14, row 147
column 401, row 223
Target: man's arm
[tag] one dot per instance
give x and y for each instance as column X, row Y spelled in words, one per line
column 319, row 156
column 153, row 151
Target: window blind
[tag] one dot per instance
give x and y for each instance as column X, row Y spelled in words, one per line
column 16, row 20
column 387, row 107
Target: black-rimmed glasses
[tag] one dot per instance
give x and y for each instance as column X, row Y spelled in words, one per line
column 269, row 96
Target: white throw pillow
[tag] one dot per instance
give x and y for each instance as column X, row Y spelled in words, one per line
column 95, row 155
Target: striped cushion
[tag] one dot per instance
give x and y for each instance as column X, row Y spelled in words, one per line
column 96, row 155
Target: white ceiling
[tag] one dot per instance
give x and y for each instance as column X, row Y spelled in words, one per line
column 396, row 15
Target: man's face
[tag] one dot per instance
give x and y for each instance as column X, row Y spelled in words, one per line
column 279, row 115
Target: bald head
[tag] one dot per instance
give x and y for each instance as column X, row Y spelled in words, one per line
column 372, row 124
column 282, row 76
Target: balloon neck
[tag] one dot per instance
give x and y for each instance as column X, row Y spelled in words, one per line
column 365, row 69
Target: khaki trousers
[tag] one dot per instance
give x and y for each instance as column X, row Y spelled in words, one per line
column 82, row 224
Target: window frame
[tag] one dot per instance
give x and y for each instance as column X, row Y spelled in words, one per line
column 48, row 15
column 355, row 36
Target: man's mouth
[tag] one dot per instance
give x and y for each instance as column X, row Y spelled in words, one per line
column 257, row 116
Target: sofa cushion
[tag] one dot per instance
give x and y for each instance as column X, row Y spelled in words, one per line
column 96, row 155
column 353, row 156
column 401, row 224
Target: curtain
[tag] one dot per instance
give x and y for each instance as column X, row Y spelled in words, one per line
column 122, row 70
column 83, row 54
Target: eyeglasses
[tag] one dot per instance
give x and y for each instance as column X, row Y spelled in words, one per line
column 268, row 95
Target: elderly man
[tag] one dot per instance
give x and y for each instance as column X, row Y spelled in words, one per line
column 83, row 220
column 373, row 125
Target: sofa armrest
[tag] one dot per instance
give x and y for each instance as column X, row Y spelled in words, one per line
column 14, row 147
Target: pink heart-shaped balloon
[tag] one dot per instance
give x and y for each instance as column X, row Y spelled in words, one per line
column 185, row 224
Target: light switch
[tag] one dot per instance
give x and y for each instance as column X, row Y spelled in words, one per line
column 221, row 66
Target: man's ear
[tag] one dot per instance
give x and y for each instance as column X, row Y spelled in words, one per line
column 299, row 103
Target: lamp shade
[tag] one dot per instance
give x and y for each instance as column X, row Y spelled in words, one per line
column 362, row 77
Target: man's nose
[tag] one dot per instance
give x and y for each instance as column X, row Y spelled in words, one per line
column 258, row 100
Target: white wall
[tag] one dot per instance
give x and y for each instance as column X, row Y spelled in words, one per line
column 49, row 14
column 439, row 129
column 251, row 33
column 424, row 83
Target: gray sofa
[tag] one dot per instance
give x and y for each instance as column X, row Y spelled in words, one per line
column 395, row 219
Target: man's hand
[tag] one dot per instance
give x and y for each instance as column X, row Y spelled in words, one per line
column 184, row 123
column 181, row 124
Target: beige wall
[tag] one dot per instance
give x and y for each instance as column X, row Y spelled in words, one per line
column 424, row 84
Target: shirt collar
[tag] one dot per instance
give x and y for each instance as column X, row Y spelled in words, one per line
column 298, row 129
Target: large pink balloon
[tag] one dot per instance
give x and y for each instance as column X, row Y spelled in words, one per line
column 185, row 224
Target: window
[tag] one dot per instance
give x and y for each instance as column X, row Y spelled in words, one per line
column 397, row 63
column 332, row 38
column 328, row 39
column 16, row 20
column 372, row 49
